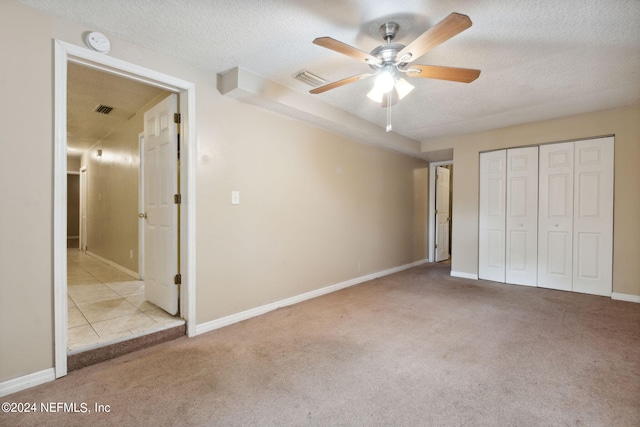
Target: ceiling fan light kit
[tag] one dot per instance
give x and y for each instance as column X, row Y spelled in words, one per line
column 386, row 79
column 389, row 60
column 402, row 87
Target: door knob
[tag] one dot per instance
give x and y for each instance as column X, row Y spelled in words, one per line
column 142, row 215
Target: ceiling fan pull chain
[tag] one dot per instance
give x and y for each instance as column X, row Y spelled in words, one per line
column 389, row 111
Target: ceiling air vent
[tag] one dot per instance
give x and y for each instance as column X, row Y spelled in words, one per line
column 103, row 109
column 309, row 78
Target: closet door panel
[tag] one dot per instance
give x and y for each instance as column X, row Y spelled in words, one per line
column 491, row 250
column 522, row 216
column 593, row 219
column 555, row 216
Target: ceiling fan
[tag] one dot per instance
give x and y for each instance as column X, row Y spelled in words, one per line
column 390, row 60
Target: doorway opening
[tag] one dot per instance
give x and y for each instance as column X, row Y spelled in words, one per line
column 74, row 179
column 105, row 282
column 111, row 269
column 440, row 209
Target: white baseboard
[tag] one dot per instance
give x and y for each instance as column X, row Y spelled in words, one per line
column 463, row 275
column 27, row 381
column 247, row 314
column 114, row 265
column 625, row 297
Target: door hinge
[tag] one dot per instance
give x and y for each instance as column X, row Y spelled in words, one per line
column 436, row 246
column 177, row 119
column 177, row 279
column 177, row 199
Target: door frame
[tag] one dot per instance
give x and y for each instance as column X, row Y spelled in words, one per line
column 82, row 241
column 63, row 53
column 432, row 207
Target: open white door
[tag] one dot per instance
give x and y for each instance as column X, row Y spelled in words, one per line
column 161, row 222
column 442, row 214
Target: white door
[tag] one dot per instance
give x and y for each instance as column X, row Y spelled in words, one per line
column 161, row 222
column 522, row 216
column 442, row 213
column 141, row 205
column 491, row 250
column 593, row 216
column 555, row 218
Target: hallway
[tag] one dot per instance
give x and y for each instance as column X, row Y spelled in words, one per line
column 106, row 305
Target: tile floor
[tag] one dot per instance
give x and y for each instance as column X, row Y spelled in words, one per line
column 106, row 305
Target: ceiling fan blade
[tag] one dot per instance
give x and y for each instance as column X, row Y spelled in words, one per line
column 463, row 75
column 339, row 83
column 450, row 26
column 345, row 49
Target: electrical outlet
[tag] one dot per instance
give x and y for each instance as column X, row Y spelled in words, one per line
column 235, row 197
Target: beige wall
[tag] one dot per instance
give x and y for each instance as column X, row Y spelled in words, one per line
column 624, row 123
column 316, row 208
column 26, row 287
column 73, row 163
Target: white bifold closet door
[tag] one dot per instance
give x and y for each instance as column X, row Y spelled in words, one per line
column 546, row 216
column 593, row 217
column 508, row 216
column 522, row 216
column 555, row 239
column 491, row 239
column 576, row 216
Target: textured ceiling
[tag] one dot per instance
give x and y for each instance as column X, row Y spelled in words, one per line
column 539, row 58
column 86, row 89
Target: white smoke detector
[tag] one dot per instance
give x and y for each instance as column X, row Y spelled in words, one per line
column 98, row 42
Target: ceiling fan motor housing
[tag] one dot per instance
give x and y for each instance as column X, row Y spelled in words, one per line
column 386, row 53
column 389, row 30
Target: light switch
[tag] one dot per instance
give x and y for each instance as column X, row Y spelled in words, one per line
column 235, row 197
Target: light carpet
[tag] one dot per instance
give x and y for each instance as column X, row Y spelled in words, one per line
column 417, row 348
